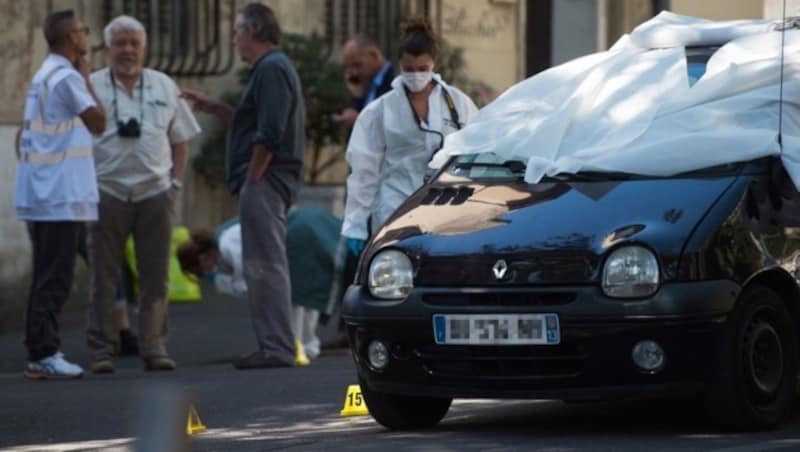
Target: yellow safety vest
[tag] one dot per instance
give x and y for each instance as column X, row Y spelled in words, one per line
column 182, row 288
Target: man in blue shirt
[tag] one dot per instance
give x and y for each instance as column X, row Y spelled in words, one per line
column 266, row 144
column 368, row 75
column 56, row 190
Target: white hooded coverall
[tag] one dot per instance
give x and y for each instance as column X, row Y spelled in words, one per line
column 388, row 153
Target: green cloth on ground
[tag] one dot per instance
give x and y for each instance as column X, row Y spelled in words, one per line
column 311, row 239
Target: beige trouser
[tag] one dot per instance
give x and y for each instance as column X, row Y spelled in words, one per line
column 149, row 221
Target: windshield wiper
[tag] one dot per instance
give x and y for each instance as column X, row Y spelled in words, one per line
column 589, row 176
column 515, row 166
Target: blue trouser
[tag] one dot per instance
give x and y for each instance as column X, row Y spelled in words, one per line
column 55, row 244
column 266, row 268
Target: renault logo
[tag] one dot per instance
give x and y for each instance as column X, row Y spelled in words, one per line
column 499, row 269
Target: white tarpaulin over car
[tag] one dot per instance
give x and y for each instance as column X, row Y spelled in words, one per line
column 631, row 109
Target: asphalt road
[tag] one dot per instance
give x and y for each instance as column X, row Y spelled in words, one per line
column 298, row 408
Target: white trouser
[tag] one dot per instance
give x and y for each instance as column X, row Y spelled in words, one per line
column 304, row 326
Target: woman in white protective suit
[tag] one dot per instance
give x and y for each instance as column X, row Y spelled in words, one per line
column 396, row 135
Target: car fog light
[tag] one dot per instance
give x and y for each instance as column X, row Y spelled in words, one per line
column 649, row 356
column 378, row 355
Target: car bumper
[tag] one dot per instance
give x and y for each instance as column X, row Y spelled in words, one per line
column 592, row 361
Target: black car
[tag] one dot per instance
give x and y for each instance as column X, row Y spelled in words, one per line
column 581, row 287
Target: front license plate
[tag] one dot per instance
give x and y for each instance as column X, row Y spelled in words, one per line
column 496, row 329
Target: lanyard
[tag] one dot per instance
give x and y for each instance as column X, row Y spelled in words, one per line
column 141, row 95
column 451, row 105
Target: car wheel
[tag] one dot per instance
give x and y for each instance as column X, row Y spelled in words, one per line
column 400, row 412
column 756, row 369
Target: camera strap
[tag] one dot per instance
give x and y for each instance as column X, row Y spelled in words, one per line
column 141, row 96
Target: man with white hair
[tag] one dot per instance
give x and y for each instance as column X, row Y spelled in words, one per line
column 140, row 160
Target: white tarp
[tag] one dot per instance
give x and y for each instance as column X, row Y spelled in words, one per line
column 631, row 109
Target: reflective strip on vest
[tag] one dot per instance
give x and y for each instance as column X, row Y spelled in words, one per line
column 62, row 130
column 39, row 126
column 39, row 158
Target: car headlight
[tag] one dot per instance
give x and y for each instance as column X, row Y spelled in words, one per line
column 630, row 272
column 390, row 275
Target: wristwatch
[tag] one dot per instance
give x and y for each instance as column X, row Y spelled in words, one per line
column 176, row 183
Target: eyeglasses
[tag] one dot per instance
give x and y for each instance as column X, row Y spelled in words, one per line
column 84, row 30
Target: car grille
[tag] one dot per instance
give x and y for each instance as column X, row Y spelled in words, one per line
column 499, row 298
column 447, row 195
column 507, row 362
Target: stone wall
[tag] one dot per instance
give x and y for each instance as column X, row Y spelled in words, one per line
column 489, row 33
column 720, row 9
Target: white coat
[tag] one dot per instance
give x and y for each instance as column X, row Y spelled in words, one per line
column 389, row 154
column 230, row 276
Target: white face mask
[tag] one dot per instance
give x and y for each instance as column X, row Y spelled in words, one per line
column 417, row 81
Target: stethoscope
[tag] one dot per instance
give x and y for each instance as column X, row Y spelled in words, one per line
column 419, row 121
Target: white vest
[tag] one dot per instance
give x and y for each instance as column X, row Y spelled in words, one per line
column 55, row 176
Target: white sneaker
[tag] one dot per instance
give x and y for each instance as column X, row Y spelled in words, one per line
column 53, row 367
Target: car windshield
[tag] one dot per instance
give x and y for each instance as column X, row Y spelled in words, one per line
column 489, row 166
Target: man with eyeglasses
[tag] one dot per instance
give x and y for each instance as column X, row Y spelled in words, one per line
column 56, row 190
column 140, row 160
column 265, row 148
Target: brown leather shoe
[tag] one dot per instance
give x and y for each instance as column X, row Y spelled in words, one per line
column 159, row 363
column 102, row 366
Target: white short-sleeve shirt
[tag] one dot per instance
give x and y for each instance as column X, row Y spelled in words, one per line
column 132, row 169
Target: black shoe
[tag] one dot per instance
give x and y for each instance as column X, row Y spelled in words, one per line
column 257, row 360
column 128, row 343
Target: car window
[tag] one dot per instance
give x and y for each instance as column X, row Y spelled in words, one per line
column 696, row 61
column 696, row 69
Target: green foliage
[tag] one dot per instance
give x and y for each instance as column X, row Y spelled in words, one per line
column 323, row 86
column 323, row 89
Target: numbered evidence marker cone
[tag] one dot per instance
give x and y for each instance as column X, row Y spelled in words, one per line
column 194, row 424
column 354, row 403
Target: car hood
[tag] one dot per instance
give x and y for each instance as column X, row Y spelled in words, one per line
column 546, row 233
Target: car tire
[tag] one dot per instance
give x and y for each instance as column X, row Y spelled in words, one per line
column 401, row 412
column 755, row 373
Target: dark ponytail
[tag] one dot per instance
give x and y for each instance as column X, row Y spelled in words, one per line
column 417, row 38
column 201, row 241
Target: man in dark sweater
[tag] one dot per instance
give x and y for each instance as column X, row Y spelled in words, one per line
column 265, row 148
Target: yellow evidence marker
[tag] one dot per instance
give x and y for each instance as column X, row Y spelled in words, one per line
column 194, row 424
column 354, row 403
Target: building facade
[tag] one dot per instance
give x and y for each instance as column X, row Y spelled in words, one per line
column 503, row 41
